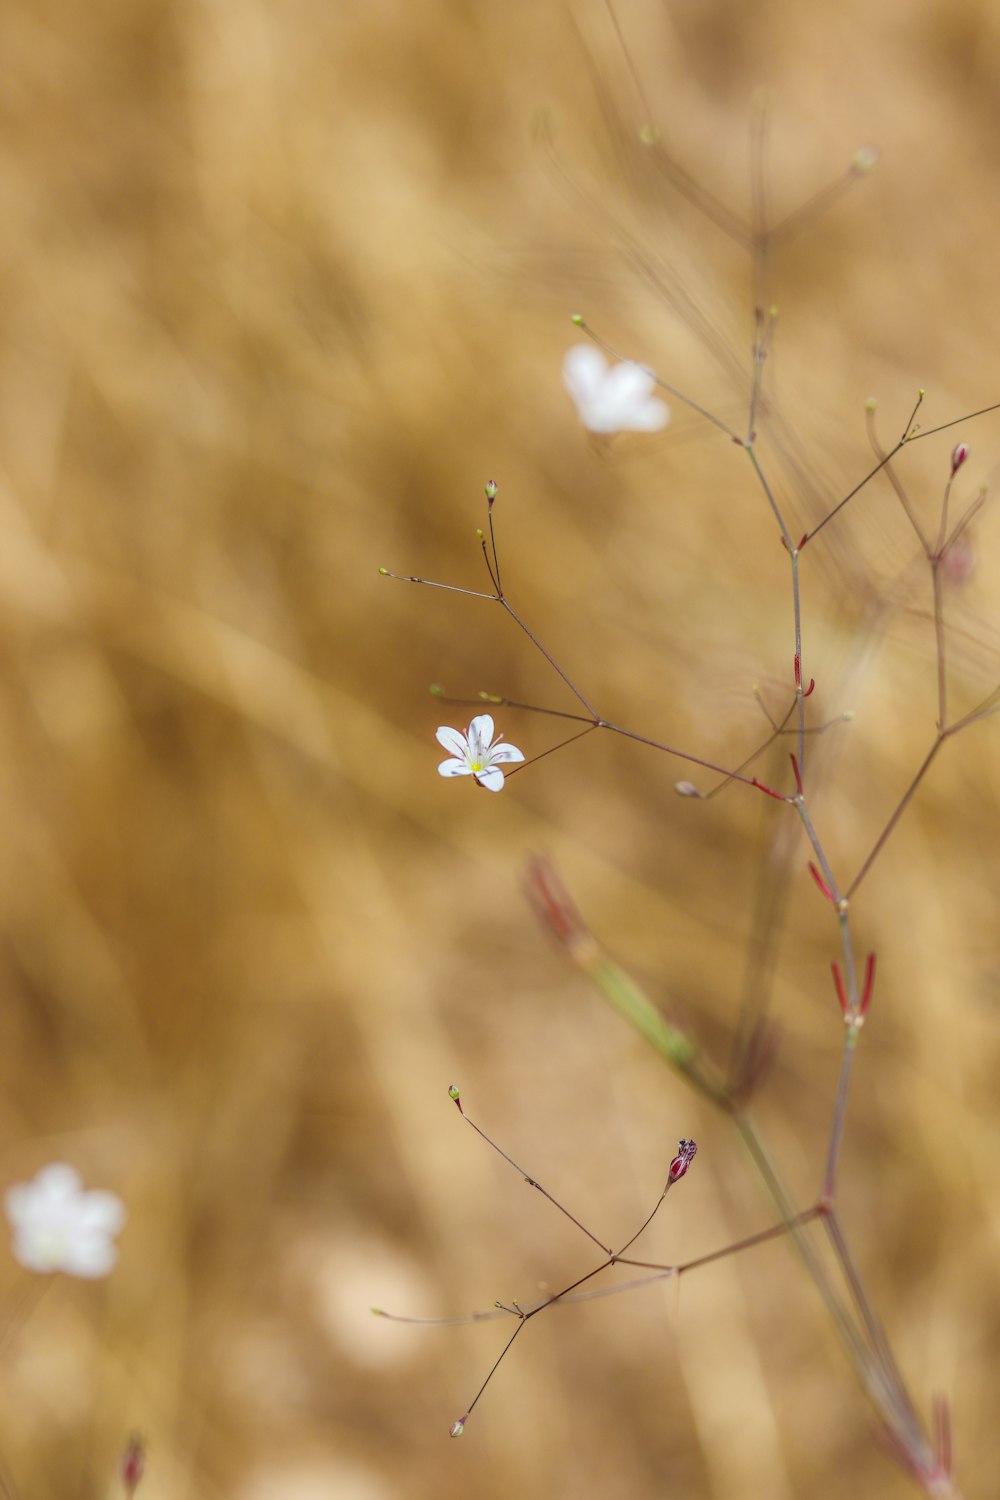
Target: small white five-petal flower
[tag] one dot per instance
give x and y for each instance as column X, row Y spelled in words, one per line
column 59, row 1227
column 474, row 752
column 615, row 399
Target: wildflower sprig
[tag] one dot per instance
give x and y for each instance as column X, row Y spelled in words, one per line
column 591, row 718
column 476, row 752
column 57, row 1226
column 678, row 1168
column 621, row 399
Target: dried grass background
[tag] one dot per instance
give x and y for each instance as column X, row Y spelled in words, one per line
column 282, row 286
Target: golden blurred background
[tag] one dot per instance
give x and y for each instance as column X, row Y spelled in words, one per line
column 282, row 287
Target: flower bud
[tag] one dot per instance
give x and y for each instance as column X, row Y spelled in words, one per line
column 491, row 490
column 685, row 1156
column 132, row 1466
column 959, row 454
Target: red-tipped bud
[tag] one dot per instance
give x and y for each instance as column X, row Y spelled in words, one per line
column 132, row 1466
column 866, row 993
column 821, row 883
column 554, row 906
column 838, row 981
column 768, row 789
column 491, row 491
column 685, row 1156
column 959, row 454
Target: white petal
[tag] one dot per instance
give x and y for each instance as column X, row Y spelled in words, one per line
column 584, row 372
column 503, row 752
column 480, row 734
column 16, row 1203
column 492, row 780
column 57, row 1183
column 54, row 1187
column 34, row 1253
column 101, row 1213
column 628, row 404
column 452, row 739
column 454, row 768
column 90, row 1256
column 653, row 416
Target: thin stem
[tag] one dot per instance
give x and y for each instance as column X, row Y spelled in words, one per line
column 496, row 1365
column 852, row 1341
column 988, row 706
column 530, row 1180
column 939, row 640
column 449, row 588
column 800, row 701
column 496, row 700
column 644, row 1225
column 776, row 1231
column 876, row 1332
column 904, row 803
column 785, row 535
column 493, row 544
column 908, row 437
column 813, row 207
column 494, row 577
column 778, row 730
column 760, row 346
column 695, row 760
column 944, row 426
column 893, row 479
column 534, row 759
column 829, row 1189
column 972, row 511
column 549, row 658
column 824, row 864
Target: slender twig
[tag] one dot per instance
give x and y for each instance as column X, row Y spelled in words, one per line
column 901, row 807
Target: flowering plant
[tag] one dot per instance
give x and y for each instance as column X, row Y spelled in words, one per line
column 60, row 1227
column 611, row 399
column 475, row 752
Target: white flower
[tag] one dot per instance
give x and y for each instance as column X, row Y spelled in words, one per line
column 476, row 753
column 59, row 1227
column 619, row 399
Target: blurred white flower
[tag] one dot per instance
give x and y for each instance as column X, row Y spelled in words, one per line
column 476, row 753
column 59, row 1227
column 615, row 399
